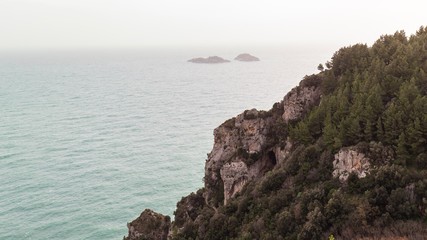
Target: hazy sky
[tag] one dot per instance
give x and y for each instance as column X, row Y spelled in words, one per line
column 62, row 24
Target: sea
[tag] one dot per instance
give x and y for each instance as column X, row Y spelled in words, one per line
column 89, row 139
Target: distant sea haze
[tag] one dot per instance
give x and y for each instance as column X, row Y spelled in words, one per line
column 87, row 140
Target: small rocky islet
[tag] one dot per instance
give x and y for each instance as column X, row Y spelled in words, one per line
column 209, row 60
column 244, row 57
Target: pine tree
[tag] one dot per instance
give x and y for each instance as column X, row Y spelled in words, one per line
column 330, row 132
column 393, row 123
column 380, row 130
column 416, row 140
column 375, row 102
column 315, row 121
column 402, row 153
column 301, row 133
column 350, row 131
column 368, row 131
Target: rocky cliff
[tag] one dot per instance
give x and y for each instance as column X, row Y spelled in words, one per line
column 350, row 161
column 245, row 148
column 254, row 147
column 342, row 156
column 300, row 100
column 149, row 226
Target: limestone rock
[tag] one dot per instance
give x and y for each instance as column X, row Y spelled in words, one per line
column 239, row 153
column 189, row 208
column 150, row 226
column 245, row 148
column 299, row 101
column 349, row 160
column 283, row 153
column 234, row 175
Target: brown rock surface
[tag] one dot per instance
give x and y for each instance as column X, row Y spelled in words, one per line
column 349, row 160
column 241, row 151
column 245, row 148
column 299, row 101
column 149, row 226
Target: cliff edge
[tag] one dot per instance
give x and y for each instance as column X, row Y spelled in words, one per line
column 342, row 156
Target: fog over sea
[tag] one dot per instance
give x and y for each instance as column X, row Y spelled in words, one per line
column 88, row 140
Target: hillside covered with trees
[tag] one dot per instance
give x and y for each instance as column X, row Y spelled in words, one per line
column 374, row 102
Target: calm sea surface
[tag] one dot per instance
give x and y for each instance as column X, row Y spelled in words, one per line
column 89, row 140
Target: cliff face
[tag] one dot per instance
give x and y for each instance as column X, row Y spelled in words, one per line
column 243, row 151
column 299, row 101
column 239, row 144
column 149, row 226
column 350, row 161
column 343, row 155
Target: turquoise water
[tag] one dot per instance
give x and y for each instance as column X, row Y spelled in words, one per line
column 89, row 140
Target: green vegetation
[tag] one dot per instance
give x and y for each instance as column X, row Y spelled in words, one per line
column 374, row 94
column 374, row 98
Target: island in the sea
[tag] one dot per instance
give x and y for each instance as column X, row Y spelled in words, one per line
column 210, row 60
column 246, row 57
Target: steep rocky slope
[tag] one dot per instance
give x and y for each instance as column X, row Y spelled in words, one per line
column 149, row 225
column 343, row 155
column 244, row 149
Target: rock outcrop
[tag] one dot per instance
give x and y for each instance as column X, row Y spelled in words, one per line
column 239, row 144
column 245, row 148
column 149, row 226
column 246, row 57
column 301, row 99
column 241, row 151
column 341, row 156
column 188, row 209
column 350, row 160
column 209, row 60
